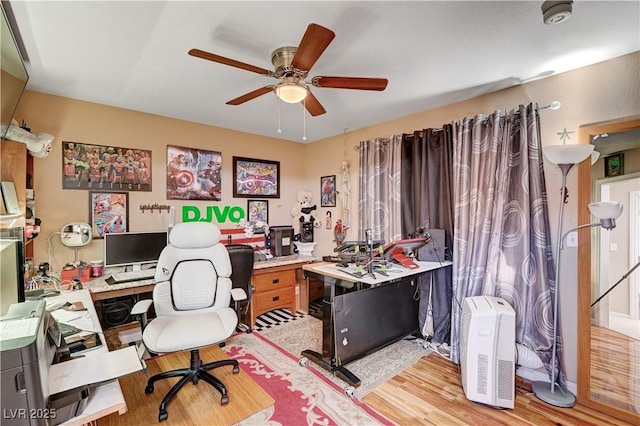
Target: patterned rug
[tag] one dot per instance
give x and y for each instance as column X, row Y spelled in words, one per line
column 278, row 317
column 303, row 396
column 305, row 332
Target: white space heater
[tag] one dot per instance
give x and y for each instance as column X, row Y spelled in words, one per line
column 487, row 347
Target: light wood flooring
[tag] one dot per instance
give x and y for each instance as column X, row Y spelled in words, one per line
column 615, row 369
column 193, row 405
column 429, row 393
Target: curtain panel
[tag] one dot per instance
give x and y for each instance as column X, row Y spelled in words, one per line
column 427, row 201
column 482, row 180
column 379, row 204
column 502, row 245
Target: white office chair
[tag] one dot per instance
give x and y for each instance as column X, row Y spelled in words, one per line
column 192, row 299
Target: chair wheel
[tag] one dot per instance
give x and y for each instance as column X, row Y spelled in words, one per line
column 148, row 389
column 163, row 415
column 350, row 391
column 236, row 369
column 224, row 400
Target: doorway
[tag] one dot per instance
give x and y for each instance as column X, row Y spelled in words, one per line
column 619, row 252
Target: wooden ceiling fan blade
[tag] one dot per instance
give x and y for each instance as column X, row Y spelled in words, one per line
column 313, row 105
column 251, row 95
column 358, row 83
column 226, row 61
column 313, row 43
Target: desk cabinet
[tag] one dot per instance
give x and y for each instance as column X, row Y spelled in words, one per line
column 274, row 288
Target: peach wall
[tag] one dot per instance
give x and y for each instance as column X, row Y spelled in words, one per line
column 592, row 94
column 84, row 122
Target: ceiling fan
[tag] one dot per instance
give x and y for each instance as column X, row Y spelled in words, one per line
column 292, row 65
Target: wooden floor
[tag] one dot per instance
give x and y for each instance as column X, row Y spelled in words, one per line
column 429, row 393
column 615, row 369
column 194, row 404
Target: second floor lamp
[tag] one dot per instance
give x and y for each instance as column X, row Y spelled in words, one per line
column 565, row 157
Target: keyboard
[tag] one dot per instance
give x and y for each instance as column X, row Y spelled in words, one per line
column 125, row 277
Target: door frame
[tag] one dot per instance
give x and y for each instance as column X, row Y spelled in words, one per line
column 585, row 136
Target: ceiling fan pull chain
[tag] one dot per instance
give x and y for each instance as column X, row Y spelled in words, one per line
column 304, row 119
column 279, row 129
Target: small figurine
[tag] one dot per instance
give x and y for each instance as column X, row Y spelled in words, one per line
column 339, row 232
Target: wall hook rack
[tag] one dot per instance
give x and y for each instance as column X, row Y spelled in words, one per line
column 152, row 207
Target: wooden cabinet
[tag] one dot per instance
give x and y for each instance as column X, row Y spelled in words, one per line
column 17, row 166
column 13, row 168
column 274, row 288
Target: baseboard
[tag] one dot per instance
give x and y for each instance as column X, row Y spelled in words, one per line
column 541, row 375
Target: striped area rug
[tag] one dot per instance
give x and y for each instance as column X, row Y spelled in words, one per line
column 283, row 316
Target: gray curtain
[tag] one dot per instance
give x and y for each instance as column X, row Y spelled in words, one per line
column 502, row 245
column 379, row 204
column 427, row 195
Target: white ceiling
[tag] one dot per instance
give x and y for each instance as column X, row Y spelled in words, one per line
column 133, row 55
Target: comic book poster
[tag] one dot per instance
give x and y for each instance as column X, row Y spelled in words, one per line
column 108, row 212
column 256, row 178
column 193, row 174
column 105, row 167
column 328, row 191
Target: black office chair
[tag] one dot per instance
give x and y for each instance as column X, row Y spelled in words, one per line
column 242, row 258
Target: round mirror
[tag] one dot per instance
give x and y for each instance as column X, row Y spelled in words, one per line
column 76, row 234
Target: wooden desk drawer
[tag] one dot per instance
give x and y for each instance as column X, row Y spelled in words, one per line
column 269, row 300
column 274, row 280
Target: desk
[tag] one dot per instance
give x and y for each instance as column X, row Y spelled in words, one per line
column 29, row 340
column 278, row 283
column 106, row 398
column 362, row 315
column 100, row 290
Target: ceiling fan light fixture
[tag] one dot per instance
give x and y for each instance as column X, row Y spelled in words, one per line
column 554, row 12
column 291, row 92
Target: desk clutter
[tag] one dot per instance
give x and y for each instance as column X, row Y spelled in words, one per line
column 54, row 360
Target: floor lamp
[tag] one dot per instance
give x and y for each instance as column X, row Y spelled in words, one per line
column 565, row 157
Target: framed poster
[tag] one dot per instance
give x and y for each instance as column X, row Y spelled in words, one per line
column 328, row 191
column 257, row 210
column 193, row 174
column 105, row 168
column 108, row 212
column 256, row 178
column 614, row 165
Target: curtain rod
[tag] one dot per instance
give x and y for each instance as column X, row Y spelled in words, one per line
column 409, row 135
column 553, row 106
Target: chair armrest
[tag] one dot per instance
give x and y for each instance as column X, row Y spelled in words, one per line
column 238, row 294
column 141, row 307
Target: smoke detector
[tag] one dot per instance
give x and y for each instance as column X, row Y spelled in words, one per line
column 554, row 12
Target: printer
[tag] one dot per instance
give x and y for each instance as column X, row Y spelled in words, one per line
column 29, row 342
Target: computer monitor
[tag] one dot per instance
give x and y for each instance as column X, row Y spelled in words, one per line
column 133, row 248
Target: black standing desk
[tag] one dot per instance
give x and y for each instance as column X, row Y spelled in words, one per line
column 363, row 314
